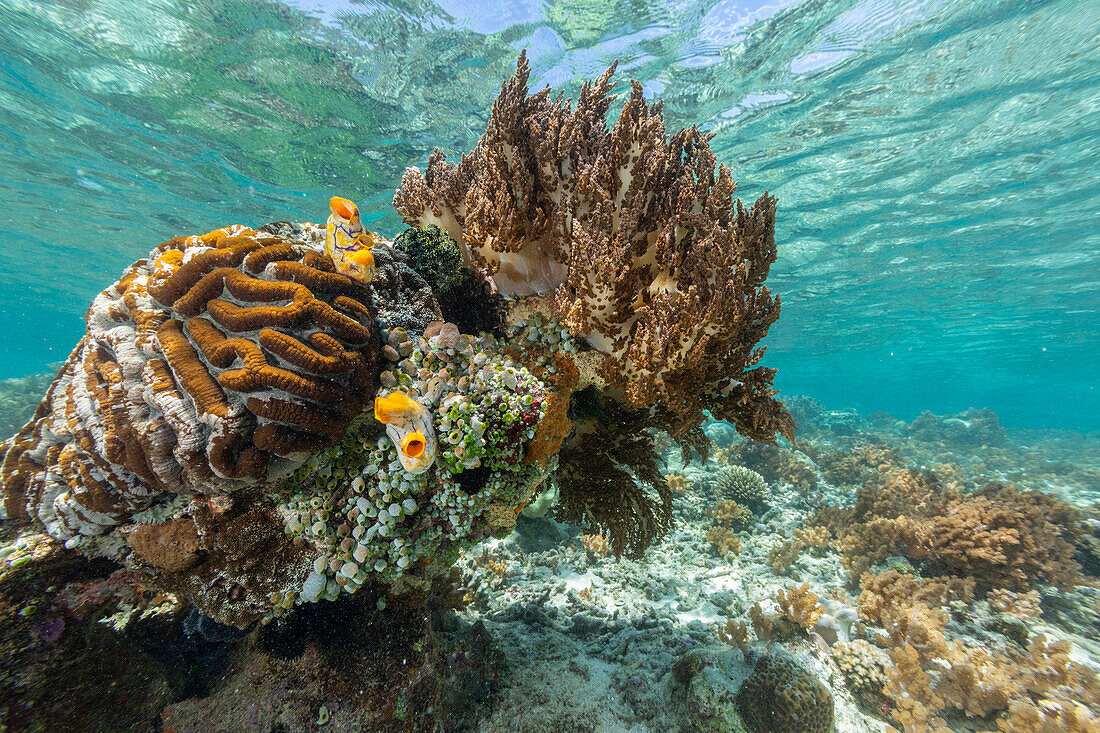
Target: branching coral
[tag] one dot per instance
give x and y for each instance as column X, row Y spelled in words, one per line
column 1001, row 537
column 742, row 485
column 800, row 605
column 725, row 542
column 775, row 464
column 886, row 595
column 782, row 556
column 677, row 483
column 812, row 536
column 863, row 666
column 865, row 462
column 930, row 674
column 631, row 238
column 731, row 515
column 734, row 633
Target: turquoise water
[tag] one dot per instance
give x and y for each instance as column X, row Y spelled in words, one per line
column 936, row 162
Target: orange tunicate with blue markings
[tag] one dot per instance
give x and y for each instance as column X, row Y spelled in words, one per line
column 347, row 242
column 410, row 428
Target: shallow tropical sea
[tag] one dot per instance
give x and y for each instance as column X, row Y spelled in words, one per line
column 935, row 161
column 937, row 165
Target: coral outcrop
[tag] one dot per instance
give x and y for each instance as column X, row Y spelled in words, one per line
column 262, row 418
column 742, row 485
column 214, row 429
column 310, row 672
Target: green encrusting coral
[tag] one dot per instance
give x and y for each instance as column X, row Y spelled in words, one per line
column 433, row 254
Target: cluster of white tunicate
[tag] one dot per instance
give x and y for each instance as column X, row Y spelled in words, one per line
column 537, row 328
column 372, row 519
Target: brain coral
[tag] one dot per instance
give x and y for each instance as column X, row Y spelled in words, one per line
column 220, row 361
column 782, row 696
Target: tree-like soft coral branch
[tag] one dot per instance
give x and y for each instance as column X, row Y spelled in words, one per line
column 631, row 238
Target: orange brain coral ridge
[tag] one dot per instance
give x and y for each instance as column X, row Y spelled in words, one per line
column 632, row 238
column 220, row 361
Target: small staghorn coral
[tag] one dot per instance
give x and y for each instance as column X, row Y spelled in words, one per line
column 863, row 666
column 731, row 515
column 734, row 633
column 800, row 605
column 677, row 483
column 630, row 237
column 785, row 554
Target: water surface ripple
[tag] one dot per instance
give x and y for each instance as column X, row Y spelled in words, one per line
column 936, row 161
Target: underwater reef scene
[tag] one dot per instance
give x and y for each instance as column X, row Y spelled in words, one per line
column 521, row 467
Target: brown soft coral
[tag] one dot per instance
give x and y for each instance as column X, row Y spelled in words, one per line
column 631, row 238
column 886, row 595
column 800, row 605
column 1001, row 537
column 220, row 361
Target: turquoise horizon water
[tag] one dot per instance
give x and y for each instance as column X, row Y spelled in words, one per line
column 936, row 162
